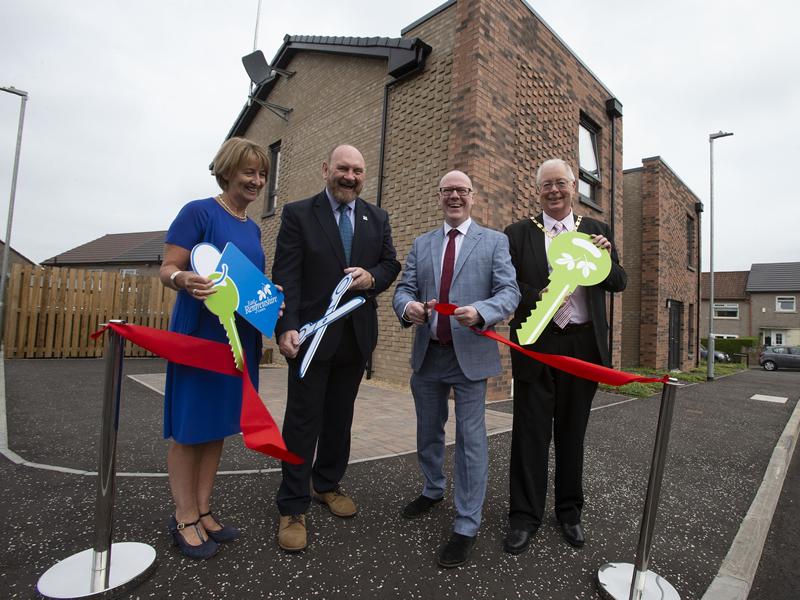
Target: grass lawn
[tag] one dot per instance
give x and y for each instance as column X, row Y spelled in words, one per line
column 642, row 390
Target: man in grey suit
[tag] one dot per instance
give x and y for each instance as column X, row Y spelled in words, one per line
column 468, row 265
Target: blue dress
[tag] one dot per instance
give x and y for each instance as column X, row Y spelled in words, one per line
column 201, row 406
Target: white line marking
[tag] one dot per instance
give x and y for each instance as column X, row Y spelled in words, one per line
column 763, row 398
column 616, row 403
column 158, row 391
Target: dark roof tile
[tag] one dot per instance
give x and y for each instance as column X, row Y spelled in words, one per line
column 774, row 277
column 728, row 285
column 144, row 246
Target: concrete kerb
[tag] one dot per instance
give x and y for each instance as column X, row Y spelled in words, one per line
column 738, row 569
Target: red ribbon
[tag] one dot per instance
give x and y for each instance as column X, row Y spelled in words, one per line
column 568, row 364
column 259, row 430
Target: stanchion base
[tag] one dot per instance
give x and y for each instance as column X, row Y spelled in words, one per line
column 614, row 583
column 131, row 563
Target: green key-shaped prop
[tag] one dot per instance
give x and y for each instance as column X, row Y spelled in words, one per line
column 575, row 261
column 224, row 304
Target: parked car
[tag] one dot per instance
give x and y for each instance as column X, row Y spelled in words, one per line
column 719, row 356
column 773, row 357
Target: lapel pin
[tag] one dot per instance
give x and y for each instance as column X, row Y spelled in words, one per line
column 364, row 217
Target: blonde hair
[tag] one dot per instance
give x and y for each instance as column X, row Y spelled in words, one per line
column 232, row 155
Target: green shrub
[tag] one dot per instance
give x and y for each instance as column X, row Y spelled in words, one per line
column 734, row 346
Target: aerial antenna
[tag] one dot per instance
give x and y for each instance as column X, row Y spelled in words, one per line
column 255, row 42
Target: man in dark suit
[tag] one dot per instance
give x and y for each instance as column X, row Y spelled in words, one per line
column 548, row 401
column 321, row 239
column 462, row 263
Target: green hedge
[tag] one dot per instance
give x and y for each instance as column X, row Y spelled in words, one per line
column 734, row 346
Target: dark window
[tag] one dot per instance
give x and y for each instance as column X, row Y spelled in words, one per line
column 589, row 162
column 690, row 326
column 785, row 304
column 726, row 311
column 274, row 179
column 690, row 252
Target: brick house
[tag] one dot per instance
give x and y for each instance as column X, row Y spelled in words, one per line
column 15, row 257
column 662, row 241
column 760, row 303
column 484, row 86
column 135, row 253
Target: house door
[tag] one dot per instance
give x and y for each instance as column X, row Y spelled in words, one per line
column 675, row 315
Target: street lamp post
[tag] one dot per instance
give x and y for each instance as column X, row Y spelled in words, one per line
column 710, row 349
column 23, row 98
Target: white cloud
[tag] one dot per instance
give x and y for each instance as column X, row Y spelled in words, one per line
column 129, row 102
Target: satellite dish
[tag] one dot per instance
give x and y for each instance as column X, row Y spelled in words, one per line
column 256, row 66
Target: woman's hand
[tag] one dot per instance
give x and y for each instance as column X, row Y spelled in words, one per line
column 196, row 285
column 176, row 260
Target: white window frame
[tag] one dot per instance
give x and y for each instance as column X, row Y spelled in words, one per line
column 588, row 162
column 778, row 300
column 726, row 307
column 128, row 272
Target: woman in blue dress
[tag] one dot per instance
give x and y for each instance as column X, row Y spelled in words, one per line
column 201, row 408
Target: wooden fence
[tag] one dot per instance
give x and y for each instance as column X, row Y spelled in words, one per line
column 51, row 312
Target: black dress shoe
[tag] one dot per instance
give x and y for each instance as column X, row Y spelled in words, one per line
column 574, row 534
column 417, row 508
column 456, row 551
column 517, row 540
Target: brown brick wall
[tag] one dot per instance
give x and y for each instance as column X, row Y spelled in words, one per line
column 498, row 95
column 417, row 139
column 517, row 98
column 334, row 99
column 665, row 203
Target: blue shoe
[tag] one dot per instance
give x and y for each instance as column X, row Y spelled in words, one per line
column 204, row 551
column 221, row 536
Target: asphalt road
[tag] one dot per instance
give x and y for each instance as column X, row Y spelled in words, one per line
column 720, row 446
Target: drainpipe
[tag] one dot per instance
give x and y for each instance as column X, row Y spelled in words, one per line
column 698, row 209
column 614, row 111
column 382, row 155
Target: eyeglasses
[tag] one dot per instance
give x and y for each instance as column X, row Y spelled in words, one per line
column 461, row 191
column 561, row 184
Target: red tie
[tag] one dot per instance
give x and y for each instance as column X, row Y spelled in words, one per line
column 443, row 331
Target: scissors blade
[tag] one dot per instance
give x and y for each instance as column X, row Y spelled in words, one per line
column 330, row 317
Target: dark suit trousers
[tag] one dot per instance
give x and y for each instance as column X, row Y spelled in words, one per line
column 552, row 403
column 319, row 414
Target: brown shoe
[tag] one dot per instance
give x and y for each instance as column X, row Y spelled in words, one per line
column 292, row 533
column 339, row 504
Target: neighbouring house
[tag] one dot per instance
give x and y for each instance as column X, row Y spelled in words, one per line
column 760, row 303
column 14, row 257
column 662, row 258
column 484, row 86
column 138, row 253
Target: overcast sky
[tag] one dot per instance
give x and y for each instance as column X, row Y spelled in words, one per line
column 130, row 100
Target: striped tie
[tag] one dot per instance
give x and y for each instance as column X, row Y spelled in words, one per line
column 564, row 314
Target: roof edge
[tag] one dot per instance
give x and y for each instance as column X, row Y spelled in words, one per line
column 570, row 50
column 430, row 15
column 671, row 170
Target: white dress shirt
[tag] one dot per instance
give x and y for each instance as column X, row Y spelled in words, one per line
column 580, row 305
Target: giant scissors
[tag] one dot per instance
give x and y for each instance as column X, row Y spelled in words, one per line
column 316, row 329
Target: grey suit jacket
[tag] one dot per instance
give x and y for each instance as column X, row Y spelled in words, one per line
column 483, row 277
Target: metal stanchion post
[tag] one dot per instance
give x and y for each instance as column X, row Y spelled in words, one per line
column 93, row 573
column 618, row 581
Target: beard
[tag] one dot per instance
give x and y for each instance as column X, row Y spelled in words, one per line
column 343, row 194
